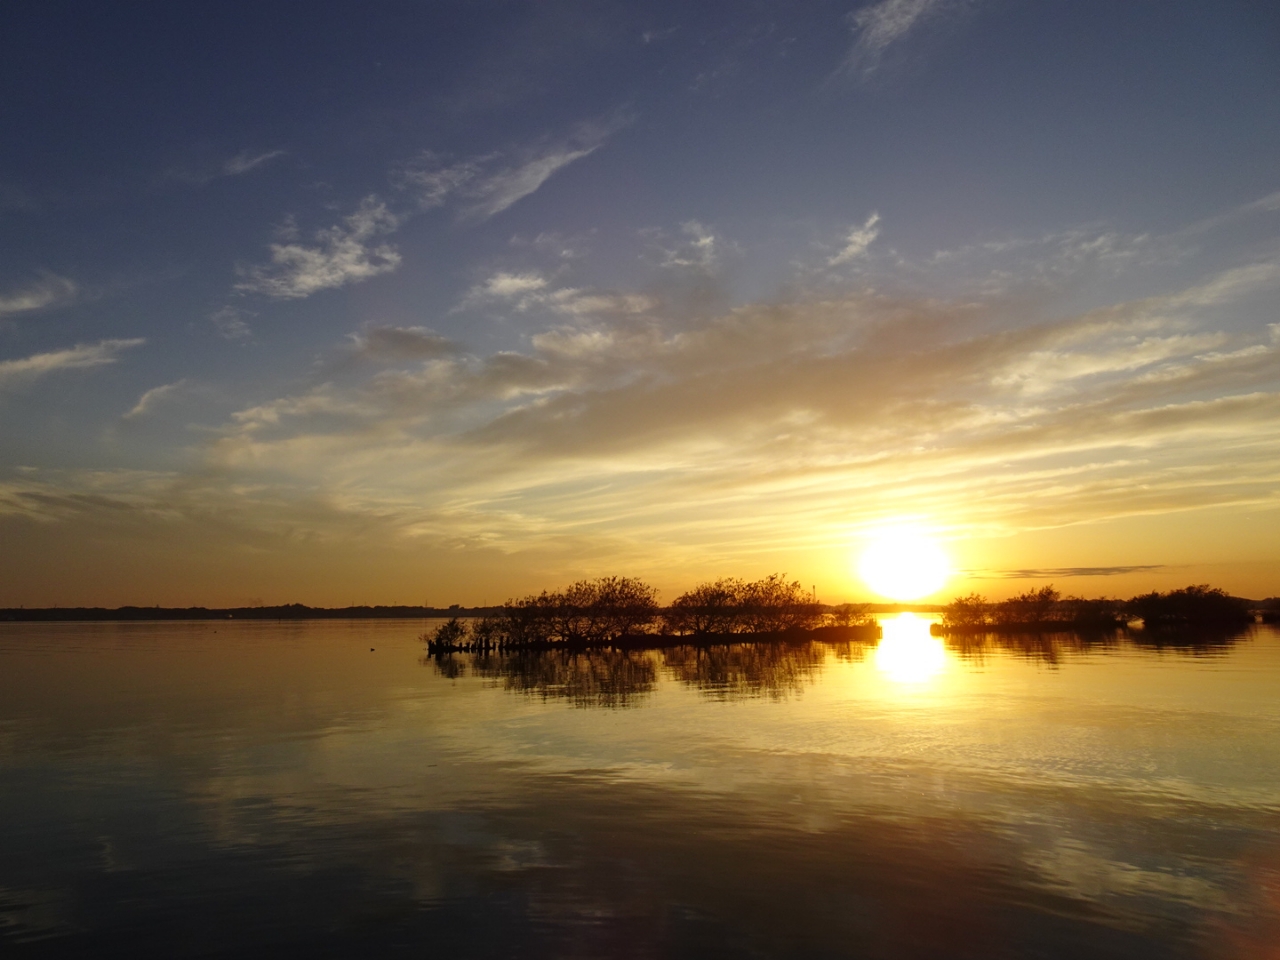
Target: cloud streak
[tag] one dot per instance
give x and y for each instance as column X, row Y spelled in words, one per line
column 531, row 291
column 243, row 162
column 20, row 372
column 356, row 249
column 348, row 252
column 50, row 291
column 858, row 241
column 152, row 398
column 485, row 186
column 231, row 323
column 877, row 26
column 1064, row 573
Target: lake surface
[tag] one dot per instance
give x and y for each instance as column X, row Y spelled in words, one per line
column 205, row 789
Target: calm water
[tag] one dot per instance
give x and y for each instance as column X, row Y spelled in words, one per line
column 264, row 788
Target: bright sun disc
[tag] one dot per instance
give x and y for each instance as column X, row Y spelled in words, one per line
column 904, row 565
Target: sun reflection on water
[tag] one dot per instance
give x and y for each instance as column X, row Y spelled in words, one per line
column 908, row 653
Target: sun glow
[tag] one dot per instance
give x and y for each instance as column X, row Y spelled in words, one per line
column 904, row 564
column 908, row 653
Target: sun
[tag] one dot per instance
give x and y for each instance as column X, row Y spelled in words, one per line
column 904, row 564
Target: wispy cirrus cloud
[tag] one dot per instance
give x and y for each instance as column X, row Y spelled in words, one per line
column 50, row 290
column 348, row 252
column 245, row 160
column 19, row 372
column 879, row 25
column 505, row 187
column 433, row 181
column 857, row 242
column 1065, row 573
column 530, row 290
column 355, row 249
column 241, row 163
column 486, row 185
column 152, row 398
column 504, row 286
column 696, row 249
column 231, row 322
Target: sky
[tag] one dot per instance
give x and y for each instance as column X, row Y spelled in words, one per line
column 447, row 302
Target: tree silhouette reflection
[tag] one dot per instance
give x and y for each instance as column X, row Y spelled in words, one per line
column 611, row 678
column 1053, row 647
column 745, row 670
column 1047, row 648
column 589, row 678
column 606, row 677
column 1206, row 641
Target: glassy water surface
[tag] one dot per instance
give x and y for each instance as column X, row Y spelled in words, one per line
column 211, row 789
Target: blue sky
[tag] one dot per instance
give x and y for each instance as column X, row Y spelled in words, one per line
column 447, row 301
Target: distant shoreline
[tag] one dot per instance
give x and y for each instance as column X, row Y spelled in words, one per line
column 291, row 611
column 296, row 611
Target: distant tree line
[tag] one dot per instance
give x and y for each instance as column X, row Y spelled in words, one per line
column 286, row 611
column 607, row 609
column 1194, row 606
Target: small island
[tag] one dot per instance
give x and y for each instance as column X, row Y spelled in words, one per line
column 1045, row 610
column 623, row 612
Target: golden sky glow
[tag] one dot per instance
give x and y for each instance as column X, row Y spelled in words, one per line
column 543, row 326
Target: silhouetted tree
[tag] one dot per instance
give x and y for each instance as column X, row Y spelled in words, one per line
column 527, row 621
column 1100, row 612
column 451, row 633
column 586, row 612
column 604, row 609
column 624, row 606
column 772, row 605
column 707, row 608
column 967, row 612
column 1194, row 606
column 1034, row 606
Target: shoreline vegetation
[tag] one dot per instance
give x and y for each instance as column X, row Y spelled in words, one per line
column 1045, row 610
column 623, row 613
